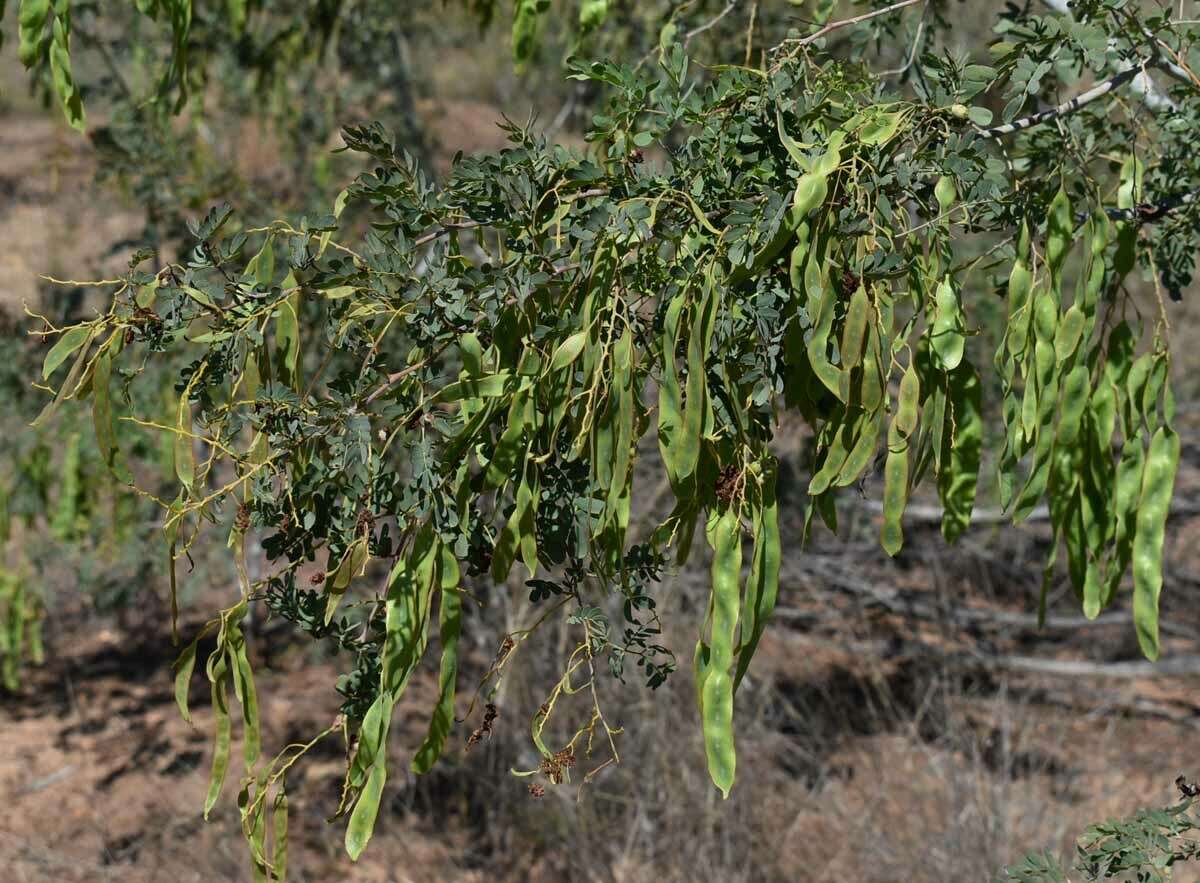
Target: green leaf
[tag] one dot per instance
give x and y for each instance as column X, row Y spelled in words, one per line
column 1059, row 232
column 945, row 193
column 568, row 351
column 351, row 565
column 491, row 386
column 679, row 447
column 895, row 492
column 510, row 445
column 762, row 585
column 980, row 116
column 371, row 759
column 280, row 832
column 237, row 21
column 247, row 694
column 406, row 609
column 261, row 267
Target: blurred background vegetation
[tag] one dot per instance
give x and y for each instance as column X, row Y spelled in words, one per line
column 906, row 720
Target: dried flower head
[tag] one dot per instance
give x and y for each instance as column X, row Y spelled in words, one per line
column 485, row 729
column 728, row 483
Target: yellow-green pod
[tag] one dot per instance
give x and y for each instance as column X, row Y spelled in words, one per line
column 855, row 328
column 945, row 193
column 717, row 690
column 909, row 402
column 811, row 191
column 1158, row 483
column 895, row 492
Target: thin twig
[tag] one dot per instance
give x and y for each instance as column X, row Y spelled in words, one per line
column 106, row 56
column 395, row 378
column 846, row 22
column 711, row 23
column 1178, row 69
column 750, row 33
column 560, row 119
column 912, row 55
column 451, row 226
column 444, row 229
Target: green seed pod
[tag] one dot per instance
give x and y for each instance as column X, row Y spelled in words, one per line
column 1158, row 484
column 895, row 493
column 1074, row 403
column 811, row 191
column 945, row 334
column 909, row 402
column 945, row 192
column 855, row 328
column 1059, row 230
column 717, row 690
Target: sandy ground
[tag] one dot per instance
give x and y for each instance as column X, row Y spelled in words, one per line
column 100, row 779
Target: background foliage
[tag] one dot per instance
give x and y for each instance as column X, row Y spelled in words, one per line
column 457, row 377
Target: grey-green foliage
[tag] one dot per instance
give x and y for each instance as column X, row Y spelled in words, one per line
column 458, row 378
column 1146, row 847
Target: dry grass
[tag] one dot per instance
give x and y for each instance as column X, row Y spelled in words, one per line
column 864, row 753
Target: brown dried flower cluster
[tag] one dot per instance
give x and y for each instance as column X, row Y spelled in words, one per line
column 729, row 482
column 555, row 768
column 485, row 729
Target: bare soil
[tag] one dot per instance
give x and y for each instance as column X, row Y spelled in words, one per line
column 884, row 741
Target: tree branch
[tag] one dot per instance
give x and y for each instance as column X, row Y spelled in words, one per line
column 450, row 226
column 1082, row 99
column 1173, row 666
column 1151, row 95
column 443, row 230
column 842, row 579
column 1147, row 212
column 1178, row 68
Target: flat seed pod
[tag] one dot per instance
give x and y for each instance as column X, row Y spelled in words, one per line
column 1158, row 483
column 945, row 333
